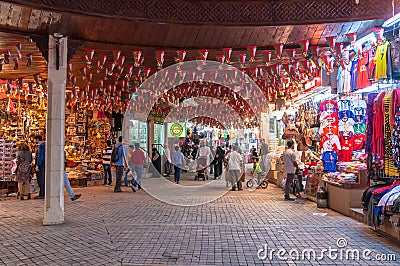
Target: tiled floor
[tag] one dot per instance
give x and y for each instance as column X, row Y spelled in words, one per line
column 103, row 228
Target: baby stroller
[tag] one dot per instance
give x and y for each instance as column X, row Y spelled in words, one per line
column 201, row 169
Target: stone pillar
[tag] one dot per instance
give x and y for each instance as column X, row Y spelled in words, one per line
column 57, row 70
column 150, row 135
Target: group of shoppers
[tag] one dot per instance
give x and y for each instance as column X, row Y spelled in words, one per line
column 132, row 162
column 26, row 168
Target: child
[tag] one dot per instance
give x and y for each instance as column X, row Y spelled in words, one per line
column 257, row 170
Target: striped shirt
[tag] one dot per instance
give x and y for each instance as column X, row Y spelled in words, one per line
column 107, row 155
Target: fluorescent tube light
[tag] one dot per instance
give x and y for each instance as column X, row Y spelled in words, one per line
column 391, row 21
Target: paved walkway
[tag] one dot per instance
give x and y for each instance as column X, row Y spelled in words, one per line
column 103, row 228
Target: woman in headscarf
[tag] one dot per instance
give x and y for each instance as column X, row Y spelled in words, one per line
column 218, row 161
column 23, row 173
column 156, row 162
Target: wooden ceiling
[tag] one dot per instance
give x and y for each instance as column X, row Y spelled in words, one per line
column 150, row 25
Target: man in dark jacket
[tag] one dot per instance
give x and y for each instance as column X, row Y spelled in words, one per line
column 40, row 159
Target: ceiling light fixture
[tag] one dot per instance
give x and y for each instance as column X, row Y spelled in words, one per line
column 391, row 21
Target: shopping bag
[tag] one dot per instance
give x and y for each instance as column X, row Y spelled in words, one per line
column 283, row 182
column 133, row 182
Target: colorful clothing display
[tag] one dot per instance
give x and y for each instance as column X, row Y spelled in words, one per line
column 347, row 146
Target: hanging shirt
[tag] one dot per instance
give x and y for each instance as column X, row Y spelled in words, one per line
column 330, row 159
column 360, row 128
column 347, row 79
column 340, row 80
column 344, row 105
column 346, row 125
column 371, row 64
column 347, row 145
column 330, row 142
column 346, row 114
column 380, row 61
column 359, row 107
column 396, row 103
column 395, row 59
column 354, row 74
column 369, row 131
column 377, row 126
column 362, row 80
column 328, row 105
column 359, row 141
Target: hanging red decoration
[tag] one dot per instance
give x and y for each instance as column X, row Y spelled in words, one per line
column 180, row 56
column 241, row 59
column 304, row 45
column 116, row 54
column 251, row 52
column 278, row 47
column 203, row 54
column 267, row 56
column 101, row 62
column 227, row 53
column 331, row 42
column 121, row 61
column 160, row 59
column 291, row 53
column 314, row 51
column 352, row 37
column 83, row 71
column 137, row 55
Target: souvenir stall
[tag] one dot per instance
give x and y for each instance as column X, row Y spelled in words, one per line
column 22, row 116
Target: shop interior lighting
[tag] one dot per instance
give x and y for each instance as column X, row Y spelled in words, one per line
column 391, row 21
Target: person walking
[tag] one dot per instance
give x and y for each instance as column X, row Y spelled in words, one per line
column 67, row 184
column 167, row 157
column 234, row 160
column 23, row 173
column 263, row 154
column 291, row 166
column 40, row 159
column 121, row 162
column 177, row 160
column 107, row 163
column 219, row 159
column 203, row 156
column 155, row 162
column 130, row 167
column 137, row 160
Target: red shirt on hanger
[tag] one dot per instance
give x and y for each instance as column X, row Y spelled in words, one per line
column 347, row 144
column 362, row 80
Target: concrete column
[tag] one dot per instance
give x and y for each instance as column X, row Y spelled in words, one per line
column 150, row 135
column 54, row 199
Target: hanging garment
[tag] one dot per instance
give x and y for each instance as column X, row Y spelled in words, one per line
column 330, row 142
column 371, row 64
column 395, row 59
column 346, row 113
column 347, row 145
column 340, row 80
column 330, row 159
column 396, row 103
column 389, row 197
column 359, row 141
column 354, row 74
column 380, row 61
column 360, row 128
column 345, row 105
column 362, row 79
column 396, row 140
column 329, row 105
column 378, row 121
column 346, row 125
column 359, row 107
column 369, row 131
column 347, row 79
column 390, row 169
